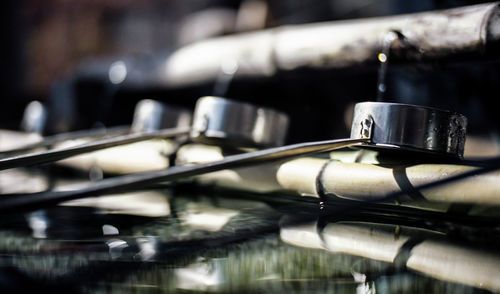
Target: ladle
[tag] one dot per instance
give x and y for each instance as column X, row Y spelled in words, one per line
column 152, row 120
column 375, row 125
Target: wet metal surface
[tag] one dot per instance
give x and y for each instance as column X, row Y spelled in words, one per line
column 410, row 127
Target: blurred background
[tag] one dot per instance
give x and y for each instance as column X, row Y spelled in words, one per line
column 91, row 61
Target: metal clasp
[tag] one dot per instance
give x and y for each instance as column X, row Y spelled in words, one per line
column 366, row 127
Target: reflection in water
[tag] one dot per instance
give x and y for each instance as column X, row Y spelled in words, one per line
column 423, row 251
column 116, row 246
column 218, row 244
column 141, row 203
column 110, row 230
column 202, row 276
column 147, row 248
column 207, row 217
column 38, row 222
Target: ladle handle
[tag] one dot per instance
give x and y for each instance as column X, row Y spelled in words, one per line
column 58, row 154
column 137, row 181
column 62, row 137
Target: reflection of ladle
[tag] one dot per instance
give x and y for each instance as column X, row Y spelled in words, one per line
column 385, row 125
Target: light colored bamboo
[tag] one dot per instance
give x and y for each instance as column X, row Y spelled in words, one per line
column 131, row 158
column 142, row 156
column 260, row 178
column 18, row 180
column 361, row 181
column 338, row 44
column 365, row 181
column 357, row 181
column 11, row 139
column 300, row 175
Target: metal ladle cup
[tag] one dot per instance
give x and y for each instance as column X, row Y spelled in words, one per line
column 407, row 127
column 223, row 121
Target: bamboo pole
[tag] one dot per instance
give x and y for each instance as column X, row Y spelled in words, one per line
column 360, row 181
column 255, row 179
column 339, row 44
column 351, row 180
column 137, row 157
column 12, row 139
